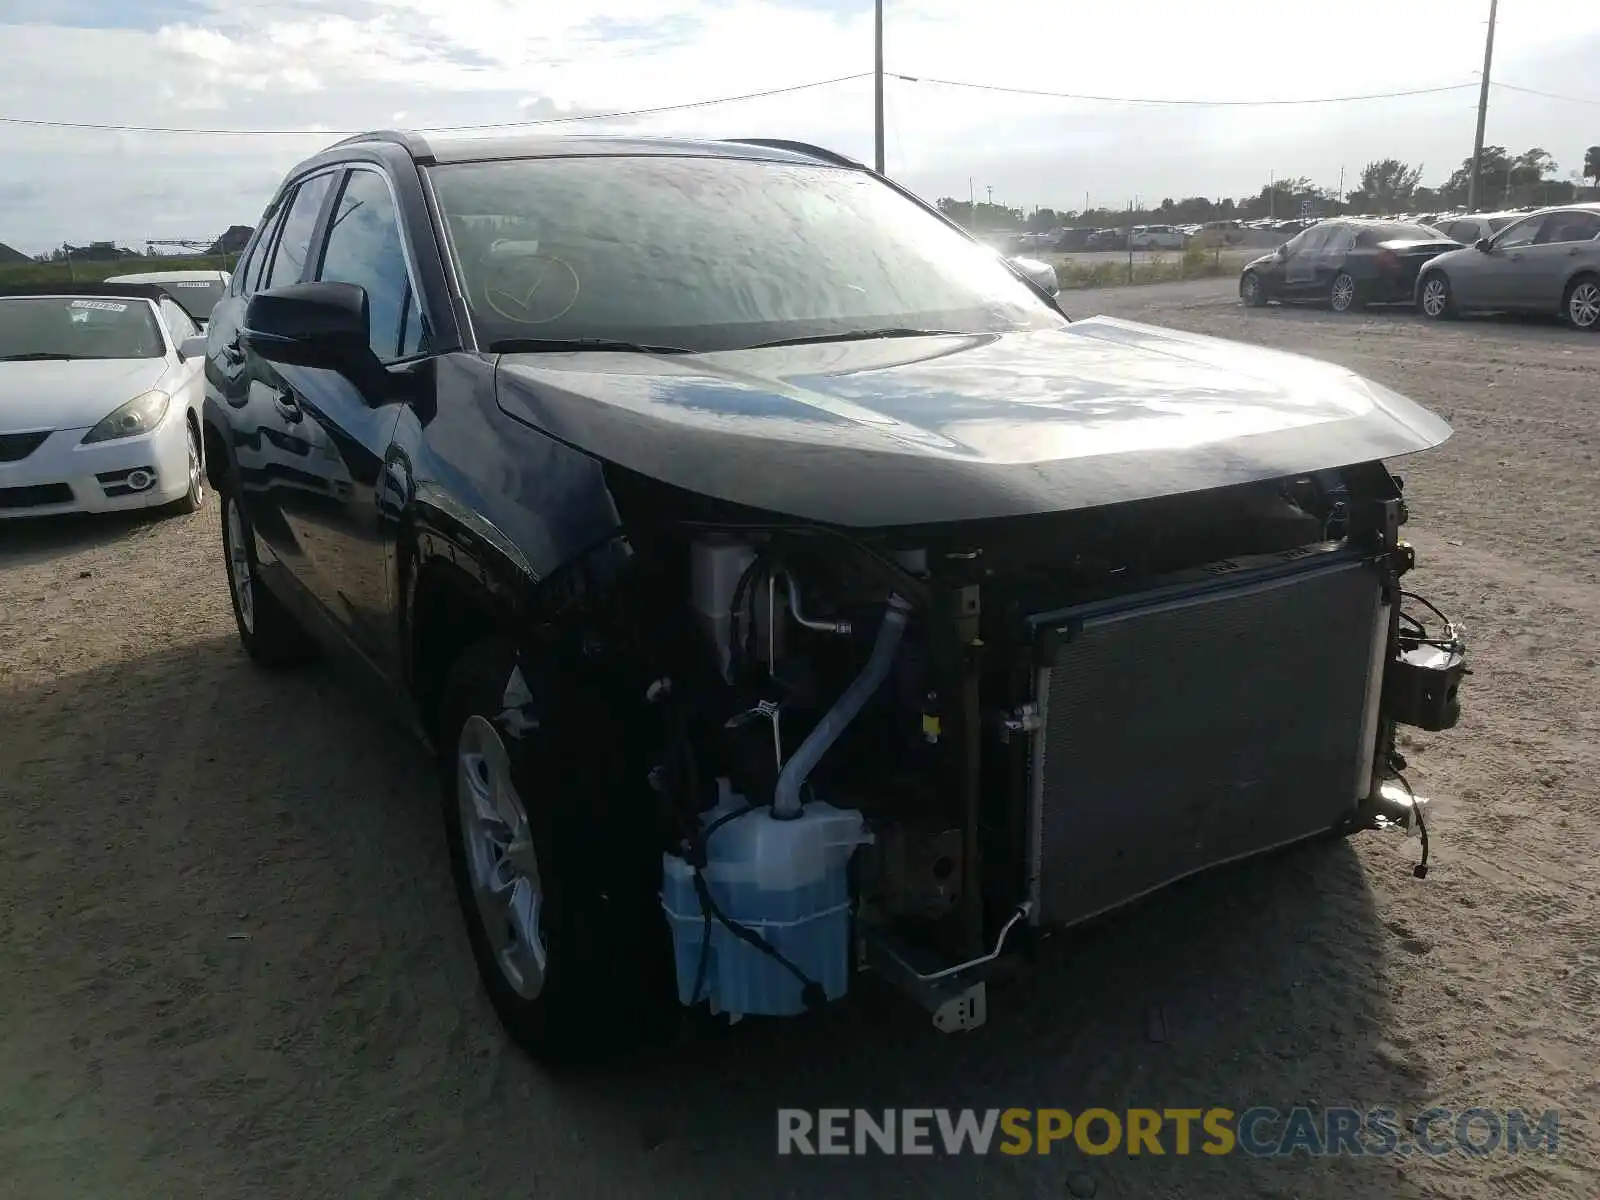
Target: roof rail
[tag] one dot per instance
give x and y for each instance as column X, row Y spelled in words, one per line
column 806, row 148
column 411, row 142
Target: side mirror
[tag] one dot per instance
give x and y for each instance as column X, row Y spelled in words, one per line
column 322, row 325
column 1041, row 273
column 1482, row 244
column 192, row 347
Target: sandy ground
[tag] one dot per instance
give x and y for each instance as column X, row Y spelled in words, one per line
column 231, row 965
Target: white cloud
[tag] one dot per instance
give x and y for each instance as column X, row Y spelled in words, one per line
column 341, row 64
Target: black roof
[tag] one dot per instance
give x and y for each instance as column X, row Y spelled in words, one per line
column 125, row 291
column 119, row 291
column 433, row 148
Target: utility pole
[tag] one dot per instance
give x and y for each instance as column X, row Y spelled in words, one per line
column 990, row 189
column 1272, row 196
column 1339, row 199
column 877, row 85
column 1483, row 112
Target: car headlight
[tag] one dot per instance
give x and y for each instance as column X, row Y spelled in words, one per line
column 139, row 415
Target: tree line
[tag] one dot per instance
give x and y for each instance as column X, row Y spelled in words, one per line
column 1385, row 186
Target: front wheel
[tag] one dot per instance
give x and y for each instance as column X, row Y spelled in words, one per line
column 565, row 926
column 1344, row 294
column 1435, row 301
column 1582, row 304
column 1251, row 291
column 269, row 633
column 192, row 499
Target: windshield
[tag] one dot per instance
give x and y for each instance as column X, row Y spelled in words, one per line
column 78, row 327
column 198, row 296
column 712, row 254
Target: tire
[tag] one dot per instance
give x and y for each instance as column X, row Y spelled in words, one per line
column 1252, row 292
column 269, row 633
column 1434, row 297
column 1345, row 294
column 1581, row 304
column 571, row 946
column 195, row 497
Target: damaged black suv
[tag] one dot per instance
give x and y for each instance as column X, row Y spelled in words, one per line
column 785, row 585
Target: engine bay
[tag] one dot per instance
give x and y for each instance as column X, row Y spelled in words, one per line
column 842, row 716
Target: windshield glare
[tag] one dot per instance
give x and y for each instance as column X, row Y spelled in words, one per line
column 78, row 327
column 712, row 254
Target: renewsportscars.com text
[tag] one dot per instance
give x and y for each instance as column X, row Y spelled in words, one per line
column 1257, row 1132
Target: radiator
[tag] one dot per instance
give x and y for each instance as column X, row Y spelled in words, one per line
column 1183, row 729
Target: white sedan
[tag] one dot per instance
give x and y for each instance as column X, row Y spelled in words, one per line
column 100, row 391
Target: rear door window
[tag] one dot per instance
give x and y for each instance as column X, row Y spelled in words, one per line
column 294, row 242
column 1569, row 227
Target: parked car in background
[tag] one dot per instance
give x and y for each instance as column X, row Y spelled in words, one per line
column 1074, row 237
column 1548, row 262
column 1221, row 233
column 1106, row 239
column 610, row 513
column 1468, row 228
column 100, row 393
column 197, row 291
column 1156, row 237
column 1345, row 264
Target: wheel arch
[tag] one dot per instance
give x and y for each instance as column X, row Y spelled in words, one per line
column 452, row 596
column 215, row 445
column 1583, row 272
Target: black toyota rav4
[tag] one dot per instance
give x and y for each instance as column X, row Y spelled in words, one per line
column 786, row 587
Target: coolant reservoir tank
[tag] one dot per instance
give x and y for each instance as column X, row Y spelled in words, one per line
column 785, row 881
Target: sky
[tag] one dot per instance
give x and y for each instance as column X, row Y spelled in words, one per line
column 325, row 67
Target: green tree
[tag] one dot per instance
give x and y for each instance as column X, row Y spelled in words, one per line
column 1387, row 186
column 1532, row 166
column 1493, row 176
column 1591, row 164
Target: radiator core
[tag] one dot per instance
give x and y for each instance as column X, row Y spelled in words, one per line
column 1178, row 732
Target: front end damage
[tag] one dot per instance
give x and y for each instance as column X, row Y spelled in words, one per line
column 910, row 750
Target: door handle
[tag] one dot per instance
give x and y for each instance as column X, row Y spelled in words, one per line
column 288, row 407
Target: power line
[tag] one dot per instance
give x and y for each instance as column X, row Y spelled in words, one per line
column 1016, row 91
column 622, row 114
column 1511, row 87
column 602, row 116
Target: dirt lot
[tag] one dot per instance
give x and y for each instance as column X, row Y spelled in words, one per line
column 230, row 962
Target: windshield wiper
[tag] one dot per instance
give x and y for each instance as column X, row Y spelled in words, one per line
column 862, row 335
column 557, row 345
column 38, row 356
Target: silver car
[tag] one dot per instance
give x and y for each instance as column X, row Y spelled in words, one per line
column 1548, row 262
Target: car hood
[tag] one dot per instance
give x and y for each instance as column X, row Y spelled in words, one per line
column 72, row 394
column 945, row 428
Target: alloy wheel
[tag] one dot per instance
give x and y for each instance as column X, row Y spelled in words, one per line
column 239, row 562
column 1583, row 306
column 197, row 477
column 1251, row 288
column 500, row 859
column 1435, row 297
column 1344, row 293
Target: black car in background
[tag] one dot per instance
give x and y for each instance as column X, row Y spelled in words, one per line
column 1345, row 264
